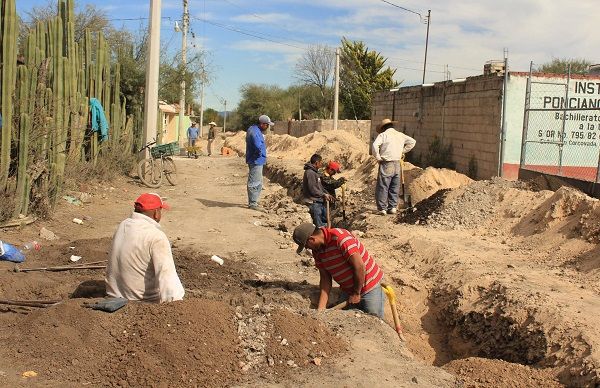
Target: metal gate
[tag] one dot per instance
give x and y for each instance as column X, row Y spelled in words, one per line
column 561, row 126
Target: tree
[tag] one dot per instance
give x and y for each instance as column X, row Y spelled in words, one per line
column 263, row 99
column 561, row 66
column 89, row 17
column 362, row 73
column 211, row 114
column 315, row 68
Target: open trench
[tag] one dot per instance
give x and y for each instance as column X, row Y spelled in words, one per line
column 447, row 322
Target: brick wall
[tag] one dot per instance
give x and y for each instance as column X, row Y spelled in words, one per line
column 465, row 114
column 360, row 128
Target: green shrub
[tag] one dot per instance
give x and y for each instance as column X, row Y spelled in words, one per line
column 439, row 155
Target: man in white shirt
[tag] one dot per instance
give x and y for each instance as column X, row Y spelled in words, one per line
column 388, row 148
column 140, row 264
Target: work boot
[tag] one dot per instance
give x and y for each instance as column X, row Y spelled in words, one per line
column 392, row 211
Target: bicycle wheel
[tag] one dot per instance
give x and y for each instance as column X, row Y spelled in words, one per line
column 150, row 172
column 170, row 170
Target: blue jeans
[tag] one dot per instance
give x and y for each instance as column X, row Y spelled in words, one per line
column 318, row 213
column 371, row 303
column 388, row 185
column 255, row 178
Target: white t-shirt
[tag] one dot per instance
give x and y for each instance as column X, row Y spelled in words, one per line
column 140, row 264
column 391, row 145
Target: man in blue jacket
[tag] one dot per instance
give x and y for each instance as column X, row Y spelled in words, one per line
column 256, row 157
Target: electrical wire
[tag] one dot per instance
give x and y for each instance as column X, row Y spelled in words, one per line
column 243, row 32
column 405, row 9
column 265, row 19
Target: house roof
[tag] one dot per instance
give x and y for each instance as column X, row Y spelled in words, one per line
column 168, row 108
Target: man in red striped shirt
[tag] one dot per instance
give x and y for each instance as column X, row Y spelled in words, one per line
column 340, row 256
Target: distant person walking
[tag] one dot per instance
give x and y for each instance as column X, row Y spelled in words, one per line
column 388, row 148
column 256, row 157
column 192, row 133
column 211, row 137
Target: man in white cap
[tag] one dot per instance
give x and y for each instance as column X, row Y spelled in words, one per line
column 388, row 148
column 211, row 137
column 256, row 157
column 140, row 264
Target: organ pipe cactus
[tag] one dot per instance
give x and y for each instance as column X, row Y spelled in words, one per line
column 8, row 62
column 24, row 125
column 48, row 102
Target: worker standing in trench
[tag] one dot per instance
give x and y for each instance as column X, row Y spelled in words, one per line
column 340, row 256
column 388, row 148
column 313, row 194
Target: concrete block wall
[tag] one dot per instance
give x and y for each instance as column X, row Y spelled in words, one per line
column 360, row 128
column 465, row 114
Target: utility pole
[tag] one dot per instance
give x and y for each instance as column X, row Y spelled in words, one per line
column 152, row 66
column 202, row 98
column 225, row 117
column 426, row 44
column 201, row 106
column 336, row 96
column 186, row 20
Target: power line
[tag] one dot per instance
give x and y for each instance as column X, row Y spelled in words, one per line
column 405, row 9
column 243, row 32
column 140, row 18
column 265, row 19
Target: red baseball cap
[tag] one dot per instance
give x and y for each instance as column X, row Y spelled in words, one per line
column 335, row 166
column 151, row 201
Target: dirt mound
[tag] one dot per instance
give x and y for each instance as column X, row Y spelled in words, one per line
column 228, row 330
column 341, row 146
column 430, row 180
column 568, row 208
column 482, row 372
column 183, row 343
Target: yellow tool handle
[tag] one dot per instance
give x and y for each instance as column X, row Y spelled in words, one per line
column 389, row 292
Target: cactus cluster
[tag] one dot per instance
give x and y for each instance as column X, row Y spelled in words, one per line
column 44, row 101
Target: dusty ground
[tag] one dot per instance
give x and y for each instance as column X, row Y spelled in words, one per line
column 498, row 286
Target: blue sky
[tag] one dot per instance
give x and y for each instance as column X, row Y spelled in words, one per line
column 464, row 34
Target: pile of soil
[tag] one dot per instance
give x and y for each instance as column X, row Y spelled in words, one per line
column 208, row 339
column 181, row 343
column 431, row 180
column 481, row 372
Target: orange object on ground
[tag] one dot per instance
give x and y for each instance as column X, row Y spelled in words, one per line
column 226, row 151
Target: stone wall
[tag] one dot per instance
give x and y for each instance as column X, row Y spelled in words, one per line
column 465, row 114
column 360, row 128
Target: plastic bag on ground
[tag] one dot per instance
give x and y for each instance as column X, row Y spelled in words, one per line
column 9, row 252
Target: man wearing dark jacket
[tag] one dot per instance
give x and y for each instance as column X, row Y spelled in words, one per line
column 312, row 190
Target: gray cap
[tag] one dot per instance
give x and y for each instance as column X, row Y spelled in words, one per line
column 264, row 119
column 301, row 234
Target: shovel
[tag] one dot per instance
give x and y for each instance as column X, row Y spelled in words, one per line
column 344, row 202
column 328, row 214
column 391, row 296
column 405, row 196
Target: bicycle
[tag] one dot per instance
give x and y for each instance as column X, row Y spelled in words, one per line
column 152, row 170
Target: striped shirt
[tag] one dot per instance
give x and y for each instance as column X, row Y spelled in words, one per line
column 335, row 259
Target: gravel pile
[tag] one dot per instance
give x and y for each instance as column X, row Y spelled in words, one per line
column 464, row 208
